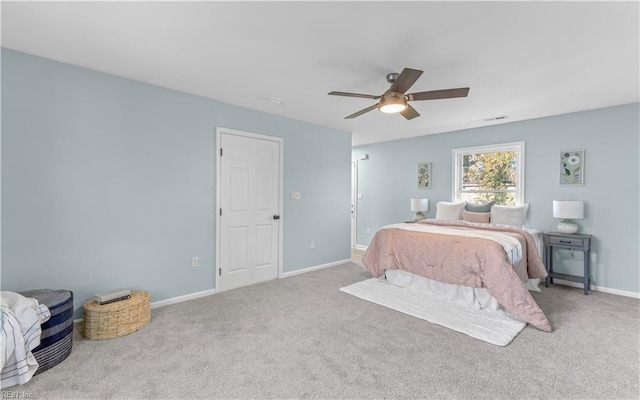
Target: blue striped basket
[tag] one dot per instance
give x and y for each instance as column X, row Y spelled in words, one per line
column 56, row 339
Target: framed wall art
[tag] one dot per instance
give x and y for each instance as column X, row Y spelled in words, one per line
column 424, row 175
column 571, row 168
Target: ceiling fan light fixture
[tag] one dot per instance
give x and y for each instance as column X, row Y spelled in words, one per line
column 392, row 103
column 394, row 100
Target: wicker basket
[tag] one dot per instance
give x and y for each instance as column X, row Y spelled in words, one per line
column 116, row 319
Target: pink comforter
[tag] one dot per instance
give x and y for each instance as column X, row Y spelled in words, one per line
column 461, row 260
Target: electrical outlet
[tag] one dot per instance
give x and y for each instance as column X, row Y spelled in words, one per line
column 313, row 244
column 368, row 231
column 594, row 258
column 194, row 262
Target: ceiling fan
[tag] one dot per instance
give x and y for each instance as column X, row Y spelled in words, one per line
column 395, row 100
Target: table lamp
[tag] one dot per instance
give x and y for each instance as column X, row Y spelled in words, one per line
column 418, row 206
column 568, row 210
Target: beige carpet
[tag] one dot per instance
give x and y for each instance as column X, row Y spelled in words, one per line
column 301, row 338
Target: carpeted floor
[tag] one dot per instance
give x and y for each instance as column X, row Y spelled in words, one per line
column 300, row 337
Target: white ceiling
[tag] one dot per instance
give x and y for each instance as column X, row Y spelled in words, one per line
column 521, row 59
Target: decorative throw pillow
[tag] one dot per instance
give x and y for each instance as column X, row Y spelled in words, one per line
column 449, row 211
column 482, row 217
column 479, row 208
column 509, row 215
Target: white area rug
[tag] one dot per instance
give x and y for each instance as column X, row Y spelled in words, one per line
column 495, row 327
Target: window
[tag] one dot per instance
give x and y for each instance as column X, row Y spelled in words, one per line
column 487, row 173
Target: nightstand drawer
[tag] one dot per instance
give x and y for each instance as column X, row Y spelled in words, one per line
column 562, row 241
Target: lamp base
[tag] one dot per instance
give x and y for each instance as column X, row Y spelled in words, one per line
column 419, row 215
column 568, row 227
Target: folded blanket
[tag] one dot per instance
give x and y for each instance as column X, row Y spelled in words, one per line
column 21, row 319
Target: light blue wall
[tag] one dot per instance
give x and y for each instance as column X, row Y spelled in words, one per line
column 610, row 138
column 108, row 182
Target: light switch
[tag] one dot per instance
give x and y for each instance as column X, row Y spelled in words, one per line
column 359, row 195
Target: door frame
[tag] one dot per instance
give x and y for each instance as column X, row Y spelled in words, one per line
column 354, row 204
column 219, row 132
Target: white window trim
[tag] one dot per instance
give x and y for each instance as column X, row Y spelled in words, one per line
column 457, row 155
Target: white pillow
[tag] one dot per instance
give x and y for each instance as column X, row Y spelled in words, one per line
column 449, row 211
column 509, row 215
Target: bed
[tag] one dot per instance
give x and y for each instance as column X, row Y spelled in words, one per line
column 489, row 264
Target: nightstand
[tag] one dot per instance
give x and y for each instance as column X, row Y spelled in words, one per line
column 574, row 242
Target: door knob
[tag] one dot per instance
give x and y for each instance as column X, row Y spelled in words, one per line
column 276, row 217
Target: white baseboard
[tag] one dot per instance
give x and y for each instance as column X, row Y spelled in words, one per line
column 180, row 299
column 174, row 300
column 317, row 267
column 361, row 247
column 597, row 288
column 204, row 293
column 196, row 295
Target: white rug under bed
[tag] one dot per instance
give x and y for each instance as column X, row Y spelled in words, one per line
column 495, row 327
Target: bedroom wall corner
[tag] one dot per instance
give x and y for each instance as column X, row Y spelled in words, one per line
column 611, row 190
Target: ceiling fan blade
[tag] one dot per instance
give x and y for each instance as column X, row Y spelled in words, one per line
column 347, row 94
column 409, row 112
column 405, row 80
column 439, row 94
column 359, row 113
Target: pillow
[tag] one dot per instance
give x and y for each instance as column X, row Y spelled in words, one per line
column 479, row 208
column 509, row 215
column 482, row 217
column 449, row 211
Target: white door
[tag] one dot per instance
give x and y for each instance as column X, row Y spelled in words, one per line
column 249, row 210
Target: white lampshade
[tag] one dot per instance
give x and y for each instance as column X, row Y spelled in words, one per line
column 419, row 205
column 568, row 209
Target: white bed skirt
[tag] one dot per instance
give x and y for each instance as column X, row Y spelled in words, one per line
column 476, row 298
column 532, row 284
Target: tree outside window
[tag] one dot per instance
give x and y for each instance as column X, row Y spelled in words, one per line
column 489, row 173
